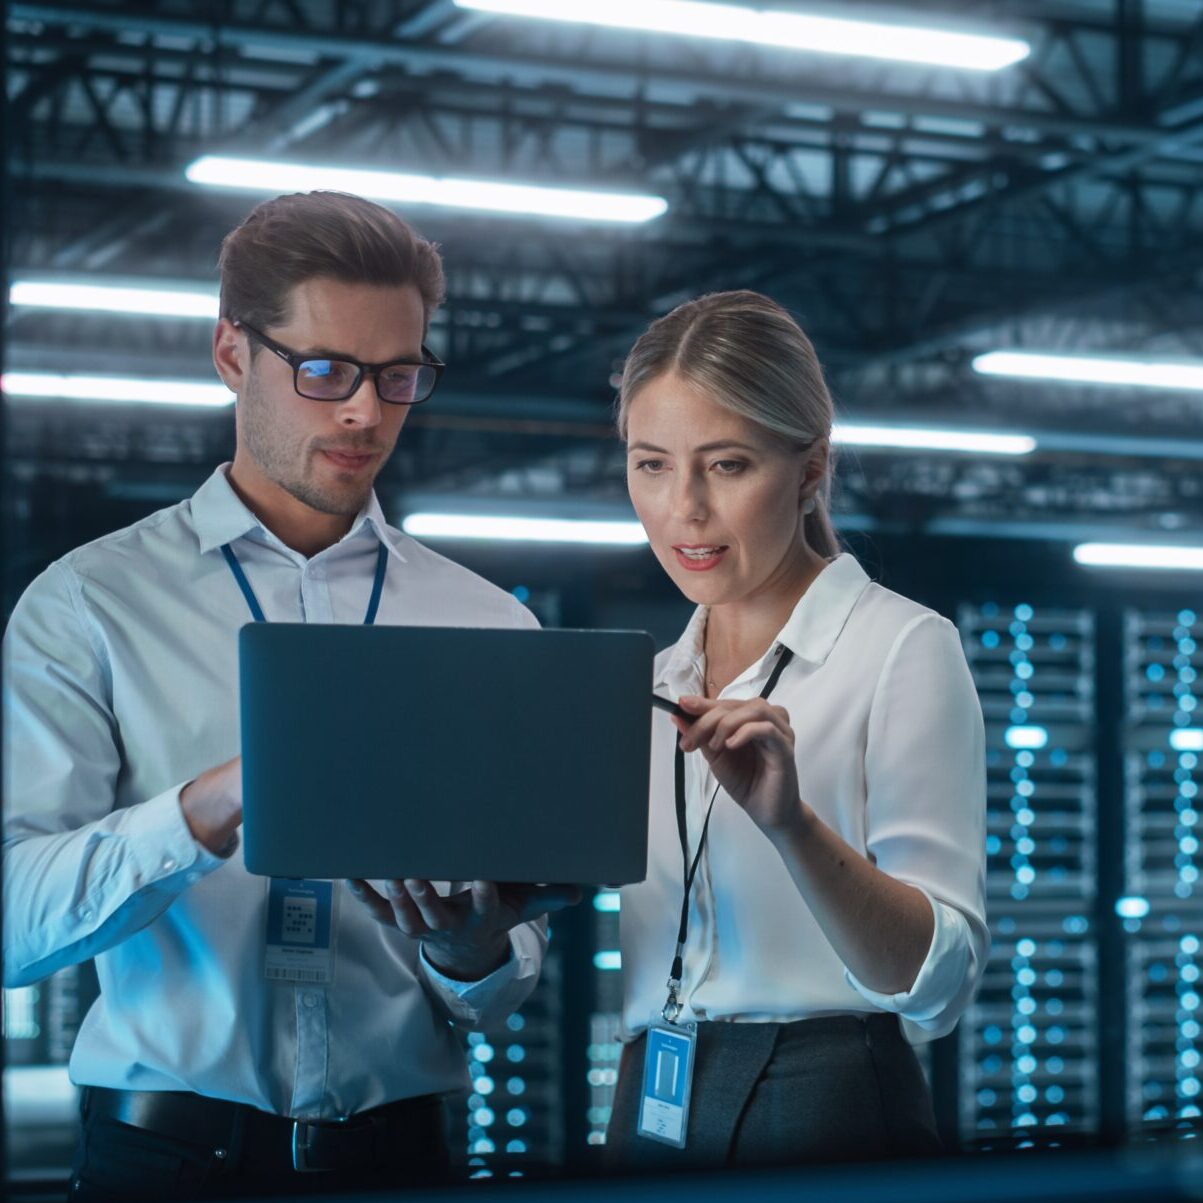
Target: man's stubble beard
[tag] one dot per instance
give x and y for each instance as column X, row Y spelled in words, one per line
column 285, row 462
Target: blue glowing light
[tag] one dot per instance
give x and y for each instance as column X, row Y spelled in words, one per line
column 1028, row 737
column 1132, row 907
column 609, row 958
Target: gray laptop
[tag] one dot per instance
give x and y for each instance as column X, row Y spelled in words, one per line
column 445, row 753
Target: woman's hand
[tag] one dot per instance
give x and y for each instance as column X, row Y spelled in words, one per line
column 466, row 935
column 749, row 746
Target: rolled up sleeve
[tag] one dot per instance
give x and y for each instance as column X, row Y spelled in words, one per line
column 487, row 1001
column 80, row 875
column 926, row 789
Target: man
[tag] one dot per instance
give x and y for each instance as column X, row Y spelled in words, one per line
column 208, row 1067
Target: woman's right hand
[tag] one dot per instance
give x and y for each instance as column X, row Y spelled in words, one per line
column 749, row 745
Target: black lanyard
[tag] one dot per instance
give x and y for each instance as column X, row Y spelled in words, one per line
column 672, row 1008
column 257, row 610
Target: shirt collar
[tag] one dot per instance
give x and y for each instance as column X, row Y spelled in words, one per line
column 810, row 632
column 819, row 617
column 681, row 671
column 372, row 515
column 221, row 517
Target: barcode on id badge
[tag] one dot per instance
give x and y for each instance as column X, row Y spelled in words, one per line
column 296, row 975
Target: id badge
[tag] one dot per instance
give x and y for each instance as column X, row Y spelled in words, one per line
column 300, row 930
column 667, row 1081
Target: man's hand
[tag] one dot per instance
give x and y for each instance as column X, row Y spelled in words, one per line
column 212, row 805
column 465, row 936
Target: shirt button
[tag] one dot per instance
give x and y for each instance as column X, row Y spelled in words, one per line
column 85, row 913
column 168, row 864
column 192, row 878
column 310, row 1000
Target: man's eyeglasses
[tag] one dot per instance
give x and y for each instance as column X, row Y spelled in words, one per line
column 335, row 378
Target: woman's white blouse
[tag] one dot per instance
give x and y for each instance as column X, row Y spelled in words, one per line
column 891, row 755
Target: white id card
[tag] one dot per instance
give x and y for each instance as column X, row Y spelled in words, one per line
column 667, row 1080
column 300, row 930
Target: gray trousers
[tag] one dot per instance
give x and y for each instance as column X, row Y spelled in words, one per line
column 834, row 1088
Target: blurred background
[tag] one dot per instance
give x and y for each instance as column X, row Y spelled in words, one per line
column 992, row 229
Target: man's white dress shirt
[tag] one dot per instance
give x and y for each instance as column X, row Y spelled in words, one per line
column 890, row 754
column 121, row 687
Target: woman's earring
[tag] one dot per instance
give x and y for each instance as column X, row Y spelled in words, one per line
column 808, row 506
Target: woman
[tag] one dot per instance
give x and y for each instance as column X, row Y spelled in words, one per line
column 838, row 886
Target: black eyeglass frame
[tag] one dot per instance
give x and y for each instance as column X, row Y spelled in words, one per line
column 295, row 359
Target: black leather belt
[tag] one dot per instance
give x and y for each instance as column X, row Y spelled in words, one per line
column 411, row 1130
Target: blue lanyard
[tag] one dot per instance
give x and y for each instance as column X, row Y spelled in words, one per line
column 257, row 610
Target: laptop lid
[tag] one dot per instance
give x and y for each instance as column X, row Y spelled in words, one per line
column 445, row 753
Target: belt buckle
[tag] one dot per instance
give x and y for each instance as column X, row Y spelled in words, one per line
column 300, row 1148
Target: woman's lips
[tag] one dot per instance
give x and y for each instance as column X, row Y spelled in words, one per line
column 700, row 559
column 348, row 462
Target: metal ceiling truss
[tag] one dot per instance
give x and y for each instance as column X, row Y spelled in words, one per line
column 907, row 214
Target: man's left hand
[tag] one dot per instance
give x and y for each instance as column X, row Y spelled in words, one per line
column 466, row 936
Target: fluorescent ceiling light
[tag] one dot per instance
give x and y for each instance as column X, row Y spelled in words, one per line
column 115, row 388
column 1137, row 555
column 917, row 438
column 533, row 530
column 108, row 298
column 786, row 30
column 259, row 175
column 1092, row 369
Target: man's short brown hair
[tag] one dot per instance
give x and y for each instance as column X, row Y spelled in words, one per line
column 301, row 236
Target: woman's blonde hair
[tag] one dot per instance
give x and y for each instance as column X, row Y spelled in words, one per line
column 747, row 353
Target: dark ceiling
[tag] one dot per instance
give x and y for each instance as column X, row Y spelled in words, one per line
column 909, row 216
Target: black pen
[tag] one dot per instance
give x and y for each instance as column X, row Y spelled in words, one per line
column 671, row 707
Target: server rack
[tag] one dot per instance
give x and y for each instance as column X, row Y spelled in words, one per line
column 1029, row 1046
column 1162, row 909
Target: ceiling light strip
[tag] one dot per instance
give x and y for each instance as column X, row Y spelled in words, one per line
column 1139, row 555
column 782, row 30
column 526, row 530
column 114, row 298
column 917, row 438
column 119, row 389
column 1138, row 372
column 526, row 200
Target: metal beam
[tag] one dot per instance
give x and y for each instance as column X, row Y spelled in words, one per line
column 613, row 79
